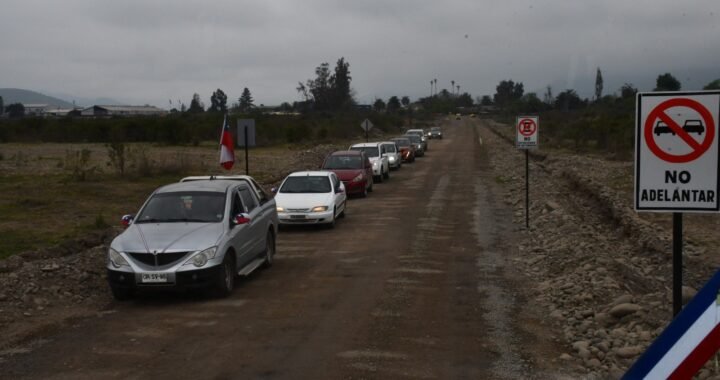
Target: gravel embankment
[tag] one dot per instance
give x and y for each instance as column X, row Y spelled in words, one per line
column 604, row 273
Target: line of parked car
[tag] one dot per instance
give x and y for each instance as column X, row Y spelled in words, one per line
column 204, row 231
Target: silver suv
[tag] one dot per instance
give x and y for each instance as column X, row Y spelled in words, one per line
column 198, row 233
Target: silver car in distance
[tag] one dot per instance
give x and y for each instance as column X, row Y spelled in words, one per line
column 200, row 233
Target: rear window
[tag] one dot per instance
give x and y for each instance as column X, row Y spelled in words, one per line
column 370, row 151
column 343, row 162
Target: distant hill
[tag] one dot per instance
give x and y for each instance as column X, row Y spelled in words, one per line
column 16, row 95
column 87, row 102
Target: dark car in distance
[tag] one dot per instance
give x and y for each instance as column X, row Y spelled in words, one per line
column 353, row 168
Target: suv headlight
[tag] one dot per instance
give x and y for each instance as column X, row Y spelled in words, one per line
column 375, row 164
column 280, row 209
column 116, row 259
column 201, row 258
column 319, row 208
column 358, row 178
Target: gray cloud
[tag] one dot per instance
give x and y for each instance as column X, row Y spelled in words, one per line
column 151, row 51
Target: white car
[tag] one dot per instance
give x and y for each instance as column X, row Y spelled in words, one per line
column 311, row 197
column 375, row 151
column 392, row 152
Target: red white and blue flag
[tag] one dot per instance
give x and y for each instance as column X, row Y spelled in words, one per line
column 227, row 156
column 689, row 341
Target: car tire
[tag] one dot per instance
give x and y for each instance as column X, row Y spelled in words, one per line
column 387, row 174
column 370, row 188
column 364, row 192
column 121, row 294
column 331, row 225
column 342, row 214
column 225, row 282
column 380, row 178
column 269, row 250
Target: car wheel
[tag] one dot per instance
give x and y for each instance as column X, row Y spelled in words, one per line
column 121, row 294
column 269, row 250
column 331, row 225
column 380, row 178
column 342, row 214
column 226, row 277
column 370, row 188
column 387, row 174
column 364, row 192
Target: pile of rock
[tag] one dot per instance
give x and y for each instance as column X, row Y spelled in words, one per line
column 603, row 273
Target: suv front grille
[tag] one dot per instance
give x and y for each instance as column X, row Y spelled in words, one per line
column 158, row 260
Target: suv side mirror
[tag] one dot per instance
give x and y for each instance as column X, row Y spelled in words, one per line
column 127, row 219
column 241, row 218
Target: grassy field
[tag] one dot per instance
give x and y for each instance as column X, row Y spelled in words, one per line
column 44, row 201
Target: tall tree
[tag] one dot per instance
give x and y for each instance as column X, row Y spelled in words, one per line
column 667, row 82
column 714, row 85
column 486, row 100
column 340, row 84
column 548, row 96
column 508, row 91
column 598, row 85
column 16, row 110
column 405, row 101
column 568, row 100
column 218, row 101
column 196, row 105
column 379, row 105
column 393, row 104
column 245, row 103
column 628, row 90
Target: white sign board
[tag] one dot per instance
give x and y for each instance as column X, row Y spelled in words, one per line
column 250, row 124
column 366, row 125
column 527, row 130
column 676, row 151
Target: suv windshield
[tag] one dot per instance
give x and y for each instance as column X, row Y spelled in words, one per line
column 402, row 142
column 389, row 148
column 194, row 206
column 343, row 162
column 415, row 138
column 306, row 184
column 370, row 151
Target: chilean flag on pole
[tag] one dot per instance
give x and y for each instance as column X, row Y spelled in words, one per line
column 227, row 156
column 690, row 340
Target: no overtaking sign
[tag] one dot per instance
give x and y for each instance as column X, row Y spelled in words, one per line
column 676, row 152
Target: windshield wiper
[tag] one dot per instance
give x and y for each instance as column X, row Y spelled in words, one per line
column 151, row 220
column 186, row 220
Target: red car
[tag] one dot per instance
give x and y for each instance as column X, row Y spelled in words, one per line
column 407, row 149
column 353, row 168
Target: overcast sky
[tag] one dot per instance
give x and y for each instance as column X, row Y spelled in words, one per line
column 150, row 51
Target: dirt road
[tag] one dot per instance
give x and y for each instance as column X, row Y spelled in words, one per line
column 414, row 283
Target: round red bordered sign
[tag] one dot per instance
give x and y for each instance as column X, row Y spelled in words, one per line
column 659, row 114
column 527, row 127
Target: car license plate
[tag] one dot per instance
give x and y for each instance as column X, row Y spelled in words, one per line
column 297, row 216
column 154, row 277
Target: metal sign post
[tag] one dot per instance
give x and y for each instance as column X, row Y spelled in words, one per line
column 527, row 136
column 366, row 125
column 246, row 139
